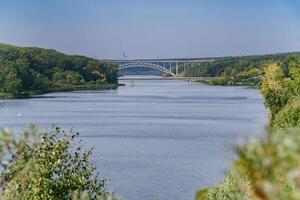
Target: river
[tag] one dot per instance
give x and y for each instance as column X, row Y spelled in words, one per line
column 158, row 139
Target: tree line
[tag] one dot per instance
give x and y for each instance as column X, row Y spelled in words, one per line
column 243, row 70
column 24, row 70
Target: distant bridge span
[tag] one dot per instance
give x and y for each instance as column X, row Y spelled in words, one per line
column 168, row 66
column 147, row 65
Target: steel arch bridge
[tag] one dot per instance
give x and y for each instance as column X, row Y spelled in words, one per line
column 146, row 65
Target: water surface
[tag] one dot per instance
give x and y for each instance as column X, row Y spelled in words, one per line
column 157, row 139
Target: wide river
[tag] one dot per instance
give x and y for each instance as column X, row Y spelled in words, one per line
column 158, row 139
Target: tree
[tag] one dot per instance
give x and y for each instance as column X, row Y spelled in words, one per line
column 289, row 116
column 12, row 84
column 275, row 89
column 47, row 165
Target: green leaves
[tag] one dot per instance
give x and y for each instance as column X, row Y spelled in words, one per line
column 47, row 165
column 272, row 166
column 269, row 169
column 34, row 70
column 289, row 116
column 275, row 89
column 280, row 92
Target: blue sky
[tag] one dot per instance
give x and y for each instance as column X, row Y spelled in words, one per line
column 152, row 28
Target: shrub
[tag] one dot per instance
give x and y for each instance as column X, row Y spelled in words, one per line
column 233, row 188
column 289, row 116
column 268, row 169
column 47, row 165
column 272, row 166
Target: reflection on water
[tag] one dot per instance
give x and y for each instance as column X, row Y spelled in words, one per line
column 157, row 139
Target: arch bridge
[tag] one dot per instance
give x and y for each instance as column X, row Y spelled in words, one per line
column 168, row 66
column 146, row 65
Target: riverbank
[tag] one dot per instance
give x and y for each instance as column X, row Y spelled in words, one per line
column 153, row 126
column 223, row 81
column 263, row 168
column 67, row 88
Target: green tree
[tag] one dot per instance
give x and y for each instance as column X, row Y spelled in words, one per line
column 289, row 116
column 12, row 84
column 275, row 89
column 47, row 165
column 67, row 78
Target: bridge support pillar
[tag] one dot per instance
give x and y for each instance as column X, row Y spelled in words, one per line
column 176, row 68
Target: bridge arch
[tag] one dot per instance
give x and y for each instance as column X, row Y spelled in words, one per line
column 146, row 65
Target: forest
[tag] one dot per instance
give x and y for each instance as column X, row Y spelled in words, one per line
column 242, row 70
column 25, row 71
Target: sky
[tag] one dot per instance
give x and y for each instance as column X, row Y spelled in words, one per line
column 107, row 29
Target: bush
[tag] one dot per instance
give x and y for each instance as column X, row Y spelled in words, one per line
column 265, row 170
column 233, row 188
column 289, row 116
column 47, row 165
column 272, row 166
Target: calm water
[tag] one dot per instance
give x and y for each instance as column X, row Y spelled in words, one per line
column 159, row 139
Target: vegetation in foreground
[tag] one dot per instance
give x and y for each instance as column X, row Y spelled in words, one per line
column 27, row 71
column 269, row 169
column 51, row 164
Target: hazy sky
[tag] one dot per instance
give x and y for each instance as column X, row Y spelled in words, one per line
column 151, row 28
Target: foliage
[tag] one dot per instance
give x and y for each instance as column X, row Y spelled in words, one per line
column 279, row 88
column 269, row 169
column 244, row 70
column 12, row 84
column 47, row 165
column 67, row 77
column 289, row 116
column 274, row 89
column 272, row 166
column 231, row 189
column 201, row 194
column 34, row 69
column 234, row 65
column 253, row 72
column 250, row 77
column 85, row 196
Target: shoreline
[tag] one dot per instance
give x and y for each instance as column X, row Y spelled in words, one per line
column 32, row 94
column 244, row 84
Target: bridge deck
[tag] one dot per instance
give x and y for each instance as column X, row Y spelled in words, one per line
column 168, row 78
column 167, row 60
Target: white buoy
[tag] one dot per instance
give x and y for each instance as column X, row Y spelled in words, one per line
column 19, row 114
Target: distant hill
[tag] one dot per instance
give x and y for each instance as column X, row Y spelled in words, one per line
column 30, row 69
